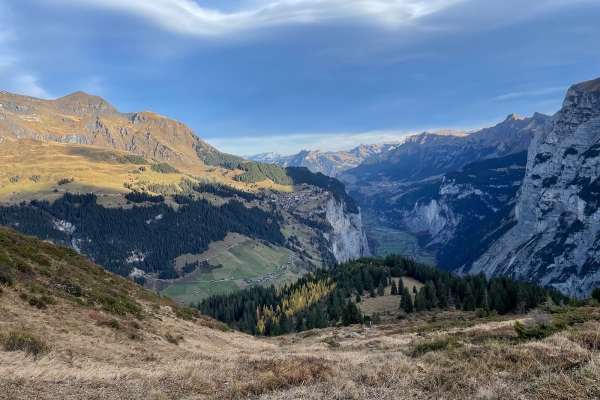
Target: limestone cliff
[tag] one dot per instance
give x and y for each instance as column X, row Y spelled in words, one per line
column 348, row 239
column 553, row 232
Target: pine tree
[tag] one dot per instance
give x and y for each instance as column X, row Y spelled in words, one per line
column 469, row 302
column 351, row 315
column 284, row 324
column 358, row 298
column 415, row 289
column 394, row 290
column 406, row 302
column 420, row 301
column 380, row 289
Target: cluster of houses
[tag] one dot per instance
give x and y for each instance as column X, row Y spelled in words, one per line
column 291, row 200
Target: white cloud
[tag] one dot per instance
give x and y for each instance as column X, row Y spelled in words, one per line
column 188, row 17
column 14, row 78
column 27, row 84
column 530, row 93
column 293, row 143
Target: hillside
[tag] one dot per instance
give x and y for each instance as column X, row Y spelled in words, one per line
column 70, row 330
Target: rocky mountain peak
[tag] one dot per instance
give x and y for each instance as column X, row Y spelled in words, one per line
column 81, row 102
column 513, row 117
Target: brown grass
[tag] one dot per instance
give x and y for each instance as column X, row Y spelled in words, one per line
column 485, row 360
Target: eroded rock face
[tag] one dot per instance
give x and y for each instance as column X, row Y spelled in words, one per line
column 556, row 238
column 348, row 238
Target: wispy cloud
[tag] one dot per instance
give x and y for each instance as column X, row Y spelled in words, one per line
column 530, row 93
column 13, row 77
column 190, row 18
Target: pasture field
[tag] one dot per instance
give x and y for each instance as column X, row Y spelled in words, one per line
column 383, row 304
column 242, row 258
column 393, row 241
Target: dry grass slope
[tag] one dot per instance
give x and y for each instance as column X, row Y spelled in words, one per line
column 91, row 351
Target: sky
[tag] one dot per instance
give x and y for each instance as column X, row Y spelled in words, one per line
column 251, row 76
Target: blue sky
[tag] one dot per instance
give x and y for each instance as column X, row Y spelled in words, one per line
column 284, row 75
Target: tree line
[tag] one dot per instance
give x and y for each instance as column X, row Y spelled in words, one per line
column 329, row 296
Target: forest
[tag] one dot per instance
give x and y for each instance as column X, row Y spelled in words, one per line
column 108, row 236
column 328, row 296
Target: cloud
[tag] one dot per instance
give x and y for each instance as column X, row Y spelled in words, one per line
column 293, row 143
column 530, row 93
column 188, row 17
column 13, row 77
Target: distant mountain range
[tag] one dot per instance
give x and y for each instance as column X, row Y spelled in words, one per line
column 330, row 163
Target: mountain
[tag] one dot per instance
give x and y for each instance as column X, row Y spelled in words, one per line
column 267, row 158
column 427, row 154
column 334, row 163
column 142, row 195
column 86, row 119
column 550, row 234
column 435, row 185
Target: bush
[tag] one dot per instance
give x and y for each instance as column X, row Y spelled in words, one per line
column 113, row 323
column 596, row 294
column 64, row 181
column 172, row 339
column 21, row 340
column 5, row 277
column 34, row 178
column 435, row 346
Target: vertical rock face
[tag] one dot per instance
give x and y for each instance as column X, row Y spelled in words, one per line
column 348, row 238
column 555, row 239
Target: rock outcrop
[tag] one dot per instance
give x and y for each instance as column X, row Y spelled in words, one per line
column 348, row 239
column 553, row 235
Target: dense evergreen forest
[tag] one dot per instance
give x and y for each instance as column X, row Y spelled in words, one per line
column 328, row 296
column 109, row 235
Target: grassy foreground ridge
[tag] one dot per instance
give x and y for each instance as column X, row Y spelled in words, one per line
column 71, row 330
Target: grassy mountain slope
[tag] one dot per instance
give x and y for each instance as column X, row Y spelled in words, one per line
column 89, row 352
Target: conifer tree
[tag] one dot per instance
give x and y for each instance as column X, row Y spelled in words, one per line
column 394, row 290
column 420, row 300
column 406, row 302
column 358, row 298
column 469, row 302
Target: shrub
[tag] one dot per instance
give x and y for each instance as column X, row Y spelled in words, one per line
column 172, row 339
column 596, row 294
column 435, row 346
column 22, row 340
column 5, row 277
column 64, row 181
column 135, row 336
column 14, row 179
column 113, row 323
column 34, row 178
column 186, row 313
